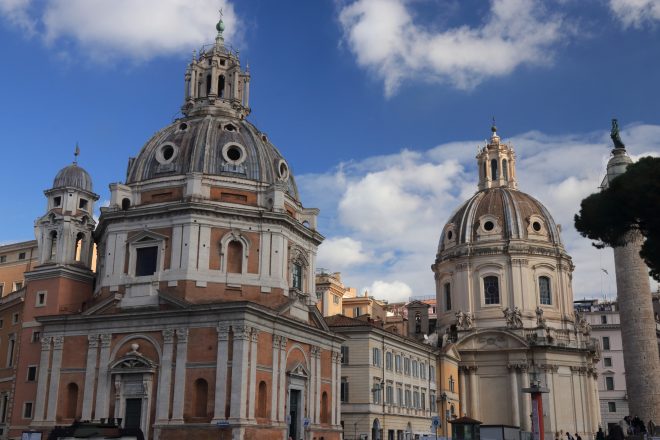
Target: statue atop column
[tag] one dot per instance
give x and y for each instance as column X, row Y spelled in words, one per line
column 614, row 134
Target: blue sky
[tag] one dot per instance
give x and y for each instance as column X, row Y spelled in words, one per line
column 378, row 106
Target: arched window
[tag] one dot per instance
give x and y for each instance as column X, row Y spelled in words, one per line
column 221, row 86
column 324, row 408
column 491, row 290
column 71, row 401
column 53, row 244
column 125, row 204
column 200, row 398
column 234, row 257
column 296, row 276
column 447, row 289
column 545, row 296
column 262, row 408
column 493, row 169
column 505, row 170
column 484, row 170
column 418, row 322
column 79, row 244
column 208, row 85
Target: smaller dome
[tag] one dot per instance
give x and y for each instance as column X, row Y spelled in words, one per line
column 73, row 176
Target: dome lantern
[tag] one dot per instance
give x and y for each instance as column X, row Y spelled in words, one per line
column 496, row 162
column 214, row 82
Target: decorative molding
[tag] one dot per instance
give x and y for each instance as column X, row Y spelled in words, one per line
column 168, row 335
column 241, row 332
column 45, row 343
column 223, row 331
column 58, row 342
column 182, row 335
column 106, row 339
column 254, row 336
column 93, row 340
column 283, row 342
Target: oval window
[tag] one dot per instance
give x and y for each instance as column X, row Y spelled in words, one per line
column 489, row 226
column 282, row 170
column 536, row 226
column 166, row 153
column 234, row 153
column 449, row 235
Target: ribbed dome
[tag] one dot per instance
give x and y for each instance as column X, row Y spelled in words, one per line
column 212, row 145
column 513, row 215
column 73, row 176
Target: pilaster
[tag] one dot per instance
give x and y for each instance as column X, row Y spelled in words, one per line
column 88, row 394
column 165, row 378
column 103, row 386
column 254, row 338
column 238, row 373
column 282, row 379
column 180, row 374
column 42, row 385
column 274, row 394
column 221, row 372
column 54, row 388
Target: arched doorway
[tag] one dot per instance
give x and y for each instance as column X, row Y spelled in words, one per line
column 375, row 430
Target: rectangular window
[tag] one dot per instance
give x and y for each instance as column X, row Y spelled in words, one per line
column 82, row 204
column 407, row 399
column 432, row 403
column 32, row 373
column 344, row 354
column 491, row 290
column 422, row 370
column 2, row 323
column 344, row 390
column 14, row 318
column 3, row 258
column 40, row 299
column 36, row 336
column 423, row 399
column 2, row 288
column 609, row 383
column 406, row 366
column 607, row 362
column 452, row 383
column 145, row 260
column 606, row 342
column 415, row 399
column 399, row 396
column 3, row 414
column 603, row 319
column 545, row 296
column 376, row 357
column 10, row 351
column 389, row 395
column 57, row 201
column 415, row 369
column 18, row 285
column 27, row 410
column 611, row 406
column 356, row 312
column 296, row 277
column 397, row 363
column 432, row 373
column 21, row 255
column 447, row 297
column 376, row 390
column 388, row 360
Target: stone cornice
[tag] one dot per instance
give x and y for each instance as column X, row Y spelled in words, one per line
column 59, row 271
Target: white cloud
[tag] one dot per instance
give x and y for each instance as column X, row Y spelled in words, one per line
column 138, row 30
column 341, row 252
column 385, row 213
column 391, row 291
column 386, row 39
column 635, row 13
column 16, row 13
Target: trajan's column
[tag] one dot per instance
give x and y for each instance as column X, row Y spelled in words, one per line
column 640, row 346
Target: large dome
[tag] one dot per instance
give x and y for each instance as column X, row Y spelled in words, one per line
column 73, row 176
column 512, row 214
column 213, row 145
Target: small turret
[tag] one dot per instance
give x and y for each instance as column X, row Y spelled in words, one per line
column 496, row 162
column 64, row 233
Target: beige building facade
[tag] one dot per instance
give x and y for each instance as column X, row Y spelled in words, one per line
column 389, row 386
column 15, row 260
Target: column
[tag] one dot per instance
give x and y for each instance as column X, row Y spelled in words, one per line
column 318, row 386
column 515, row 394
column 88, row 393
column 474, row 408
column 180, row 374
column 275, row 379
column 254, row 338
column 239, row 364
column 54, row 388
column 43, row 380
column 165, row 378
column 526, row 403
column 221, row 372
column 594, row 402
column 102, row 384
column 311, row 386
column 283, row 391
column 463, row 390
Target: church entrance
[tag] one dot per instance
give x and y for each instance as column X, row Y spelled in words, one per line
column 133, row 413
column 294, row 412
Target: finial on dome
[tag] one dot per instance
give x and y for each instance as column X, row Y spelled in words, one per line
column 220, row 27
column 493, row 128
column 76, row 153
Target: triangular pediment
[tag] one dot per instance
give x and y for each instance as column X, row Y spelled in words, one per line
column 299, row 370
column 146, row 236
column 490, row 339
column 451, row 351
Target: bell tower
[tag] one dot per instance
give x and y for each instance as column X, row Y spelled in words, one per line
column 64, row 233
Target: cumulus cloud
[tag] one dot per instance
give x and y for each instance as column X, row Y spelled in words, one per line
column 138, row 30
column 386, row 38
column 385, row 213
column 635, row 13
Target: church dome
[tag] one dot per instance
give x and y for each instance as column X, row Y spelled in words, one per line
column 500, row 213
column 73, row 176
column 215, row 145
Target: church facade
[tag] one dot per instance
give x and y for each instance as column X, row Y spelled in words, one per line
column 200, row 320
column 505, row 302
